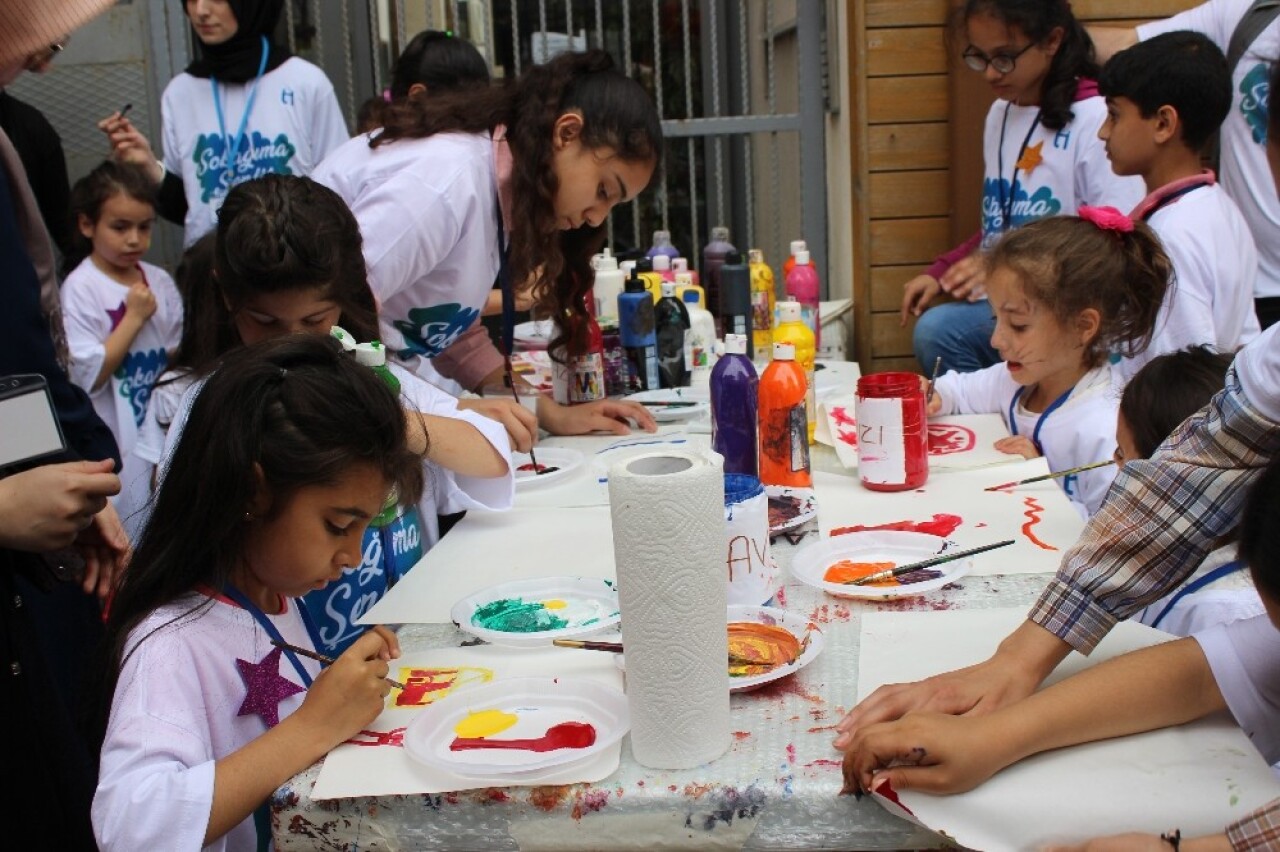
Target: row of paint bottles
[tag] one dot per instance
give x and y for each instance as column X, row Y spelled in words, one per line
column 735, row 408
column 762, row 304
column 784, row 425
column 800, row 276
column 639, row 337
column 792, row 329
column 671, row 319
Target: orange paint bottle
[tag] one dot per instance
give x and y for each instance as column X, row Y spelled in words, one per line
column 784, row 426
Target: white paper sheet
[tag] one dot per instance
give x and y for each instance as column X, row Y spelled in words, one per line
column 956, row 442
column 1197, row 777
column 487, row 548
column 987, row 516
column 382, row 770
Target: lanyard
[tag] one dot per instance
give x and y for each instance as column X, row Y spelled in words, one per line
column 1035, row 434
column 274, row 632
column 1196, row 585
column 1170, row 198
column 232, row 164
column 504, row 282
column 1006, row 204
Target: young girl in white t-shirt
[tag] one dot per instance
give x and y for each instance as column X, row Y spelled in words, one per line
column 123, row 317
column 1065, row 292
column 293, row 448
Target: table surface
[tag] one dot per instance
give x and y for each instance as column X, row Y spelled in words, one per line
column 777, row 787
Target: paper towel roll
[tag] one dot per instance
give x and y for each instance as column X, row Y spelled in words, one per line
column 668, row 544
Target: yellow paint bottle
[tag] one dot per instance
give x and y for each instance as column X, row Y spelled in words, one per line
column 762, row 304
column 652, row 280
column 792, row 329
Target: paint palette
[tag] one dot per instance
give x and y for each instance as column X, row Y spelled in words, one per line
column 535, row 334
column 685, row 403
column 529, row 613
column 854, row 553
column 556, row 464
column 518, row 726
column 789, row 507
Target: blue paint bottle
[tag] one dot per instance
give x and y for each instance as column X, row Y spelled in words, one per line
column 639, row 337
column 735, row 296
column 734, row 408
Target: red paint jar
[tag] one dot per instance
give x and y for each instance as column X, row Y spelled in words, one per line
column 893, row 432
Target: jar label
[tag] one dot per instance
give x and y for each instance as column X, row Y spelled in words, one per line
column 798, row 429
column 881, row 445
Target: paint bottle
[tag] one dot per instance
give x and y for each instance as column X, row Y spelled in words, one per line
column 792, row 330
column 735, row 408
column 662, row 247
column 652, row 280
column 576, row 379
column 762, row 301
column 615, row 359
column 608, row 284
column 784, row 428
column 796, row 246
column 672, row 323
column 687, row 282
column 699, row 341
column 714, row 254
column 681, row 264
column 639, row 340
column 802, row 287
column 893, row 432
column 662, row 266
column 735, row 296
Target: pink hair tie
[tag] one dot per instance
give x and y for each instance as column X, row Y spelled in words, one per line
column 1106, row 218
column 386, row 95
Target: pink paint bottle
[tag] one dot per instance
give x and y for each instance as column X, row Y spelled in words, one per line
column 802, row 286
column 893, row 432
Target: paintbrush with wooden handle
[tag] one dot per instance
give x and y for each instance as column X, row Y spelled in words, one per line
column 328, row 661
column 927, row 563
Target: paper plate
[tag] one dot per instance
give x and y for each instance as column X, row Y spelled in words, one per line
column 510, row 613
column 796, row 625
column 681, row 396
column 564, row 461
column 811, row 562
column 540, row 708
column 789, row 507
column 534, row 335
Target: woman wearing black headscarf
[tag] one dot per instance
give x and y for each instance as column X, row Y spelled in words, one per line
column 243, row 93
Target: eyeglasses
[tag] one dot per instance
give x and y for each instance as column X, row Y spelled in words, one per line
column 38, row 61
column 1002, row 62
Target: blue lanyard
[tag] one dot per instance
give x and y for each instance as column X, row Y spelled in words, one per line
column 1035, row 434
column 274, row 632
column 504, row 282
column 233, row 167
column 1006, row 204
column 1195, row 586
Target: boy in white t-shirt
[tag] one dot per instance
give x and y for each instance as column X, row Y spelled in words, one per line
column 1165, row 98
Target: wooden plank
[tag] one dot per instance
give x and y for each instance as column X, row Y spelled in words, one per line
column 904, row 241
column 889, row 339
column 905, row 51
column 1145, row 9
column 899, row 195
column 892, row 365
column 900, row 147
column 896, row 99
column 896, row 13
column 886, row 284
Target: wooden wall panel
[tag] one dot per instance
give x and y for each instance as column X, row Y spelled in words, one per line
column 907, row 241
column 902, row 147
column 886, row 284
column 889, row 339
column 896, row 13
column 905, row 51
column 896, row 99
column 899, row 195
column 896, row 365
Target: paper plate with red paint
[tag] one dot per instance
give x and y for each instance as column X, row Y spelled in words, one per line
column 790, row 507
column 829, row 563
column 530, row 613
column 518, row 725
column 554, row 465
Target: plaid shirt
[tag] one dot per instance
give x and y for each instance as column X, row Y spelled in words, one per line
column 1259, row 830
column 1160, row 519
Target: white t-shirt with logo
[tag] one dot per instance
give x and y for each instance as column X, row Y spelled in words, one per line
column 1244, row 171
column 294, row 124
column 93, row 304
column 427, row 210
column 1056, row 171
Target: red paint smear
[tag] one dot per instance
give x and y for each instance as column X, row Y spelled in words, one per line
column 788, row 686
column 563, row 735
column 886, row 790
column 393, row 737
column 741, row 735
column 781, row 597
column 548, row 798
column 941, row 525
column 1033, row 513
column 493, row 794
column 823, row 762
column 791, row 753
column 589, row 802
column 539, row 468
column 822, row 728
column 841, row 416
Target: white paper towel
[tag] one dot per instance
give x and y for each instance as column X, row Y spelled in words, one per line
column 668, row 544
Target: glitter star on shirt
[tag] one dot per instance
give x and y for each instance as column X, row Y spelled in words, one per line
column 1031, row 158
column 265, row 688
column 116, row 315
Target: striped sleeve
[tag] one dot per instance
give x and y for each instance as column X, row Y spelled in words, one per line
column 1159, row 520
column 1258, row 830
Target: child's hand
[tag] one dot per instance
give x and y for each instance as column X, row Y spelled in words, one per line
column 1018, row 445
column 521, row 423
column 931, row 406
column 602, row 415
column 140, row 303
column 917, row 294
column 933, row 752
column 350, row 694
column 128, row 145
column 966, row 279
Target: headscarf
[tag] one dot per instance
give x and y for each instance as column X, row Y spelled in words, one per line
column 237, row 59
column 30, row 26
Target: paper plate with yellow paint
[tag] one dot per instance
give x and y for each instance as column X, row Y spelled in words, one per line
column 528, row 613
column 518, row 726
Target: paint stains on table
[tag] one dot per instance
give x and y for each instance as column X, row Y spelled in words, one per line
column 941, row 524
column 765, row 646
column 562, row 736
column 1032, row 514
column 424, row 686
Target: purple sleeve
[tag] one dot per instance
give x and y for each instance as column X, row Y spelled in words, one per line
column 945, row 261
column 470, row 358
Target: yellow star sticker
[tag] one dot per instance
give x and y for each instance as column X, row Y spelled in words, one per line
column 1031, row 158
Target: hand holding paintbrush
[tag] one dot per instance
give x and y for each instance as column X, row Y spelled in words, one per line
column 328, row 661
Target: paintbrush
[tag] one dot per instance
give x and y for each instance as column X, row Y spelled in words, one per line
column 312, row 655
column 928, row 391
column 124, row 110
column 654, row 403
column 1053, row 475
column 927, row 563
column 511, row 382
column 616, row 648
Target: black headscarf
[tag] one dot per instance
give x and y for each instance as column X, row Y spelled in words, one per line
column 237, row 59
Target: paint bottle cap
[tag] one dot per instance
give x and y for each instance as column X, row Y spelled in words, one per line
column 635, row 284
column 733, row 258
column 788, row 312
column 644, row 264
column 798, row 245
column 802, row 258
column 627, row 265
column 755, row 255
column 735, row 344
column 661, row 238
column 690, row 296
column 661, row 263
column 685, row 279
column 784, row 352
column 719, row 234
column 668, row 289
column 680, row 264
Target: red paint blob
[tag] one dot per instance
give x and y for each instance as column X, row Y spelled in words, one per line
column 1033, row 513
column 563, row 735
column 537, row 468
column 941, row 525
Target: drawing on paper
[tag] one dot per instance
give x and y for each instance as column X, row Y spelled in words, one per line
column 425, row 686
column 393, row 737
column 944, row 438
column 1033, row 513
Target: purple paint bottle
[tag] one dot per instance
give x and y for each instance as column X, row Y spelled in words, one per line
column 713, row 256
column 662, row 245
column 734, row 408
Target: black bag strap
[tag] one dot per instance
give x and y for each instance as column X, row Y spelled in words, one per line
column 1260, row 14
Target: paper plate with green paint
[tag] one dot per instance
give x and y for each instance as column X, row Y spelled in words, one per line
column 527, row 613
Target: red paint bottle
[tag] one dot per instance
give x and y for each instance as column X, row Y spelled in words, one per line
column 893, row 432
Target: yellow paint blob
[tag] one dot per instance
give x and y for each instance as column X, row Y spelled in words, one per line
column 484, row 723
column 554, row 604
